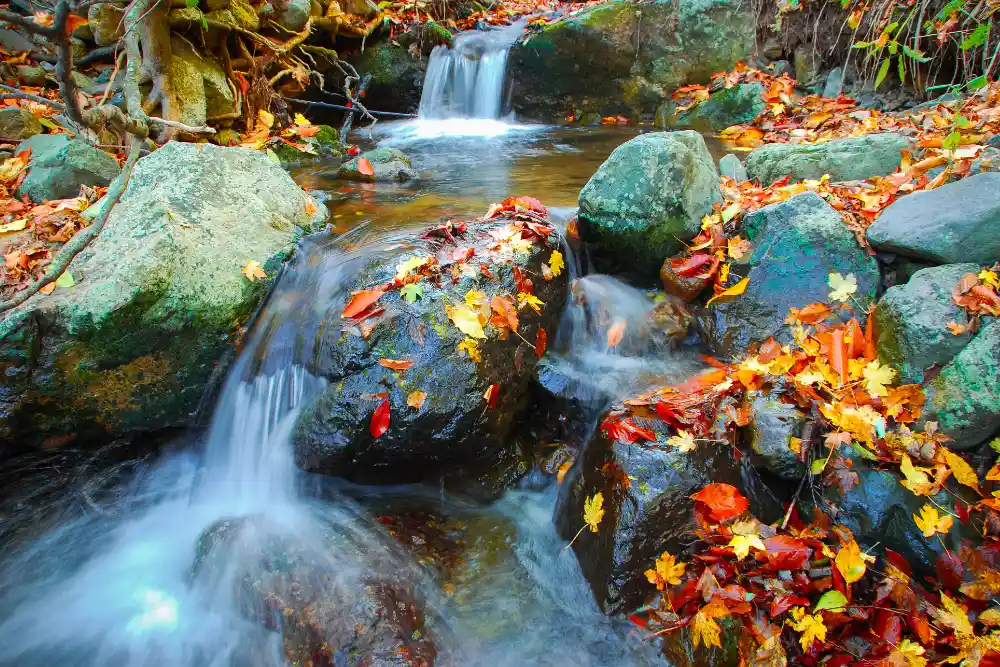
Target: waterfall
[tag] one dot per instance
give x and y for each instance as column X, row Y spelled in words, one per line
column 466, row 81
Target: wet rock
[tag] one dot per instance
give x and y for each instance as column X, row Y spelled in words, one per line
column 731, row 167
column 455, row 424
column 591, row 61
column 910, row 321
column 834, row 83
column 965, row 396
column 855, row 158
column 105, row 21
column 729, row 106
column 684, row 287
column 18, row 123
column 388, row 164
column 645, row 200
column 957, row 222
column 158, row 300
column 669, row 320
column 59, row 172
column 397, row 76
column 324, row 144
column 291, row 15
column 797, row 244
column 772, row 426
column 31, row 75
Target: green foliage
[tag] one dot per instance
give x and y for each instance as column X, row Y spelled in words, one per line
column 412, row 292
column 882, row 71
column 977, row 38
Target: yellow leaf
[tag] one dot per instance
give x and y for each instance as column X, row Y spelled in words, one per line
column 877, row 377
column 265, row 118
column 809, row 626
column 471, row 347
column 593, row 511
column 683, row 441
column 953, row 616
column 735, row 290
column 907, row 654
column 668, row 572
column 65, row 280
column 989, row 277
column 556, row 263
column 843, row 286
column 962, row 471
column 466, row 320
column 300, row 120
column 525, row 299
column 253, row 270
column 475, row 299
column 850, row 561
column 416, row 398
column 404, row 269
column 704, row 629
column 737, row 247
column 743, row 540
column 14, row 226
column 916, row 480
column 930, row 522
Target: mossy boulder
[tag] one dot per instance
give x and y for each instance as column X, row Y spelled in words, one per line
column 730, row 106
column 323, row 144
column 388, row 164
column 625, row 57
column 19, row 123
column 159, row 298
column 646, row 200
column 397, row 76
column 59, row 167
column 851, row 159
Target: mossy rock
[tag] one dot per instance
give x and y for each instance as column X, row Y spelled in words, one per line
column 397, row 77
column 730, row 106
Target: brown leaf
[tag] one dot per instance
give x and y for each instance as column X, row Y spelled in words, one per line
column 396, row 364
column 505, row 311
column 541, row 340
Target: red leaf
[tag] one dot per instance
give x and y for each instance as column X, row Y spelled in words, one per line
column 786, row 553
column 491, row 395
column 380, row 419
column 950, row 570
column 361, row 300
column 395, row 364
column 723, row 501
column 505, row 311
column 888, row 625
column 529, row 203
column 690, row 266
column 365, row 167
column 541, row 340
column 783, row 603
column 625, row 432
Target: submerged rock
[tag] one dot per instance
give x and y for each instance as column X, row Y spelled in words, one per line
column 388, row 164
column 957, row 222
column 797, row 244
column 58, row 170
column 625, row 57
column 730, row 106
column 159, row 297
column 855, row 158
column 645, row 200
column 911, row 318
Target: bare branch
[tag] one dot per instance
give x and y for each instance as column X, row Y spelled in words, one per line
column 10, row 91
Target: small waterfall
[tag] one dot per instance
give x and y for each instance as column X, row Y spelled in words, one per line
column 466, row 81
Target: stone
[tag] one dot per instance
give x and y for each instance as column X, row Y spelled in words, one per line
column 79, row 47
column 59, row 172
column 645, row 200
column 217, row 5
column 804, row 61
column 957, row 222
column 964, row 398
column 726, row 107
column 397, row 76
column 852, row 159
column 796, row 244
column 188, row 85
column 910, row 320
column 731, row 167
column 389, row 164
column 40, row 144
column 18, row 123
column 592, row 62
column 31, row 75
column 159, row 298
column 772, row 426
column 244, row 14
column 454, row 428
column 14, row 42
column 684, row 287
column 105, row 21
column 987, row 160
column 292, row 15
column 782, row 67
column 834, row 83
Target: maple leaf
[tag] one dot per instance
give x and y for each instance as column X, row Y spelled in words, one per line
column 526, row 299
column 956, row 328
column 930, row 522
column 809, row 626
column 253, row 270
column 704, row 629
column 962, row 471
column 916, row 480
column 877, row 377
column 395, row 364
column 556, row 263
column 668, row 572
column 407, row 267
column 843, row 286
column 723, row 501
column 683, row 441
column 746, row 534
column 506, row 314
column 989, row 277
column 466, row 320
column 851, row 560
column 470, row 347
column 906, row 654
column 593, row 511
column 360, row 301
column 412, row 292
column 416, row 399
column 953, row 616
column 735, row 290
column 737, row 247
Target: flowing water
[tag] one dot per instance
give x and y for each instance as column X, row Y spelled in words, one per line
column 145, row 562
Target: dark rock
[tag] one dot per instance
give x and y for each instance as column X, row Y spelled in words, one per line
column 683, row 287
column 669, row 320
column 59, row 172
column 797, row 244
column 855, row 158
column 731, row 167
column 646, row 199
column 388, row 164
column 397, row 77
column 730, row 106
column 957, row 222
column 772, row 426
column 910, row 321
column 18, row 123
column 14, row 42
column 834, row 83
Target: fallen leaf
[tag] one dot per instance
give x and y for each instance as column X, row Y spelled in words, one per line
column 851, row 561
column 491, row 394
column 930, row 522
column 683, row 441
column 704, row 629
column 365, row 167
column 810, row 627
column 961, row 469
column 541, row 340
column 505, row 311
column 527, row 299
column 745, row 535
column 407, row 267
column 556, row 263
column 616, row 332
column 470, row 347
column 831, row 601
column 253, row 270
column 735, row 290
column 380, row 419
column 593, row 511
column 877, row 377
column 360, row 301
column 668, row 572
column 723, row 501
column 416, row 399
column 15, row 226
column 65, row 280
column 412, row 292
column 395, row 364
column 843, row 286
column 466, row 320
column 956, row 328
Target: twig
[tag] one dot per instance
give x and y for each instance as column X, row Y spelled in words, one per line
column 111, row 79
column 10, row 91
column 341, row 107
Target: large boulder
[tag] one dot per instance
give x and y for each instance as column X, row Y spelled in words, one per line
column 911, row 321
column 625, row 57
column 159, row 297
column 729, row 106
column 397, row 76
column 964, row 398
column 957, row 222
column 855, row 158
column 797, row 244
column 58, row 171
column 18, row 123
column 474, row 381
column 646, row 200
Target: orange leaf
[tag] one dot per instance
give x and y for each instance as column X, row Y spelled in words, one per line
column 616, row 332
column 365, row 167
column 395, row 364
column 956, row 328
column 541, row 340
column 723, row 501
column 361, row 300
column 380, row 419
column 416, row 399
column 506, row 310
column 838, row 355
column 73, row 22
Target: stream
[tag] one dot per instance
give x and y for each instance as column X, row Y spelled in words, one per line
column 134, row 562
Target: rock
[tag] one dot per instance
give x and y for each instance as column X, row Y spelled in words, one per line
column 79, row 48
column 388, row 164
column 105, row 21
column 43, row 143
column 726, row 107
column 397, row 77
column 58, row 173
column 159, row 298
column 964, row 399
column 292, row 15
column 731, row 167
column 646, row 199
column 683, row 287
column 31, row 75
column 987, row 160
column 454, row 427
column 244, row 14
column 363, row 8
column 217, row 5
column 804, row 60
column 81, row 80
column 797, row 244
column 772, row 426
column 782, row 67
column 325, row 143
column 834, row 83
column 592, row 61
column 18, row 123
column 957, row 222
column 14, row 42
column 851, row 159
column 910, row 321
column 772, row 49
column 669, row 321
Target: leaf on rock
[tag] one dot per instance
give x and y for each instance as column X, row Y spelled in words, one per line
column 365, row 167
column 556, row 263
column 491, row 394
column 65, row 280
column 407, row 267
column 593, row 511
column 506, row 313
column 704, row 629
column 541, row 341
column 360, row 301
column 843, row 286
column 723, row 501
column 416, row 399
column 527, row 299
column 380, row 419
column 683, row 441
column 735, row 290
column 396, row 364
column 930, row 522
column 961, row 469
column 252, row 270
column 668, row 572
column 470, row 347
column 412, row 292
column 466, row 320
column 616, row 332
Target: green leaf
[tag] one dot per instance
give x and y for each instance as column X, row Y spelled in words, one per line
column 893, row 47
column 892, row 26
column 862, row 45
column 65, row 280
column 831, row 601
column 977, row 38
column 730, row 211
column 864, row 453
column 995, row 445
column 191, row 4
column 978, row 82
column 412, row 292
column 962, row 122
column 882, row 71
column 817, row 466
column 951, row 142
column 902, row 70
column 949, row 9
column 914, row 54
column 204, row 22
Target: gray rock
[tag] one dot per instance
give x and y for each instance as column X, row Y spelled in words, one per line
column 646, row 199
column 994, row 141
column 834, row 83
column 784, row 67
column 987, row 160
column 910, row 321
column 773, row 424
column 293, row 15
column 805, row 61
column 726, row 107
column 965, row 396
column 79, row 48
column 731, row 167
column 957, row 222
column 797, row 244
column 14, row 42
column 58, row 173
column 43, row 143
column 18, row 123
column 31, row 75
column 159, row 298
column 388, row 164
column 213, row 86
column 105, row 21
column 855, row 158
